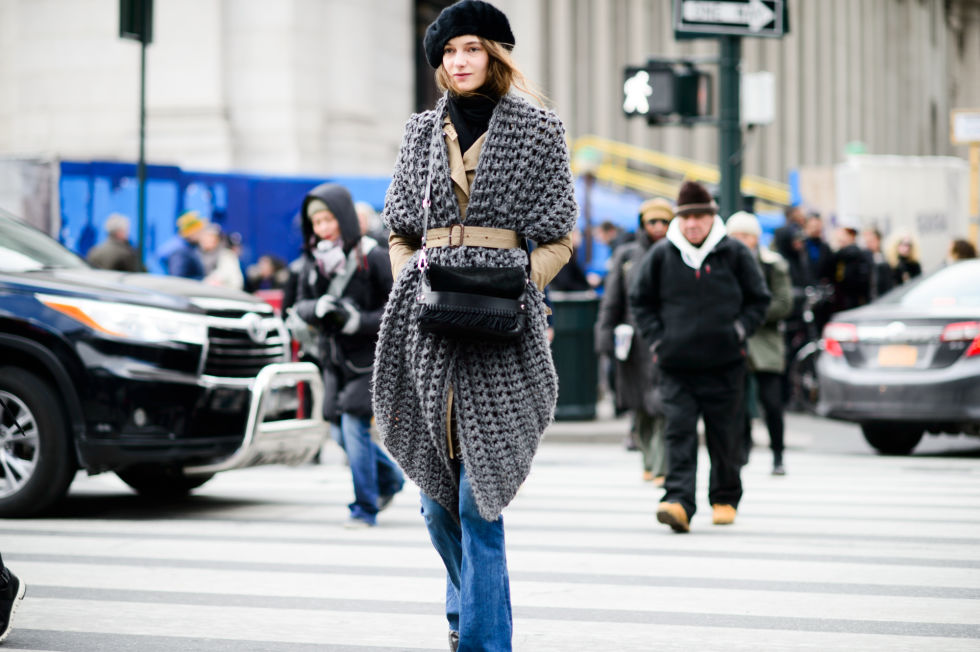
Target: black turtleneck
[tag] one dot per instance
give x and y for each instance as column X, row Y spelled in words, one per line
column 470, row 116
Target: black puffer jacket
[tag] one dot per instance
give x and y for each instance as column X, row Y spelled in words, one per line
column 347, row 359
column 689, row 316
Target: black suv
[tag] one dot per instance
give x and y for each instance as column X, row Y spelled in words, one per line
column 162, row 380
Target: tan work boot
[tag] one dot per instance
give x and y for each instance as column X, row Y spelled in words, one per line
column 648, row 476
column 724, row 514
column 673, row 514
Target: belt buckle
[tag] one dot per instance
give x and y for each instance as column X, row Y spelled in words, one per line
column 460, row 243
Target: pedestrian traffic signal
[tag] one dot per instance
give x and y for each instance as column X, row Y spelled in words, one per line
column 649, row 91
column 665, row 88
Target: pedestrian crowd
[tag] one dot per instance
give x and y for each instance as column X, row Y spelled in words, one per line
column 698, row 321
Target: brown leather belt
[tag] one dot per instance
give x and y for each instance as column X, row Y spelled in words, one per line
column 459, row 235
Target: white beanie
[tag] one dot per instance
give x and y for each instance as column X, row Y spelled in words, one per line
column 743, row 222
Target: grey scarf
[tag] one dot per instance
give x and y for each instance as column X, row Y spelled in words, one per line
column 504, row 394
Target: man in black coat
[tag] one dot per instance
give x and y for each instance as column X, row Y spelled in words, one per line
column 697, row 297
column 342, row 285
column 850, row 268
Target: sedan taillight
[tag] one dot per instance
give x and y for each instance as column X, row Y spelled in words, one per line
column 836, row 332
column 964, row 331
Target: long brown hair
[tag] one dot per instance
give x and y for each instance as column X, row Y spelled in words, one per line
column 502, row 73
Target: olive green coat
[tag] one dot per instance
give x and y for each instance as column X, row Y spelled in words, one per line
column 767, row 348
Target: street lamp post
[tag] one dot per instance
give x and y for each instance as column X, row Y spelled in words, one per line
column 136, row 23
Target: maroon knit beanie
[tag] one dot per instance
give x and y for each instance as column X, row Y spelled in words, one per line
column 694, row 198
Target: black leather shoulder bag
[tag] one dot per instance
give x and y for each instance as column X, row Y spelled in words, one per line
column 469, row 303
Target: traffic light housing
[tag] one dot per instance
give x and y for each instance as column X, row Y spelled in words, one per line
column 666, row 88
column 136, row 20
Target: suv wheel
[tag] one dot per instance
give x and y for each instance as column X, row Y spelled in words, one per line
column 161, row 480
column 36, row 461
column 892, row 438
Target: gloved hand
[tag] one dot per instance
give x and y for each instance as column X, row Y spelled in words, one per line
column 325, row 312
column 306, row 310
column 351, row 317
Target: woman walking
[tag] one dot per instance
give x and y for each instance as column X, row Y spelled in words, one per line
column 903, row 256
column 476, row 177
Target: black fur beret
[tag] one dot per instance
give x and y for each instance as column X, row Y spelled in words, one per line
column 466, row 17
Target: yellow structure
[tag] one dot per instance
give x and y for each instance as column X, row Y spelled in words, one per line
column 656, row 173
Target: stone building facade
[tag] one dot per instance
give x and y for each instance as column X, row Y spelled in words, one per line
column 320, row 87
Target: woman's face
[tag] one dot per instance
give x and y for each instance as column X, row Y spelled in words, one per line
column 466, row 61
column 325, row 225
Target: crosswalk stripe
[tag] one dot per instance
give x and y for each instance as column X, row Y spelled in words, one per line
column 845, row 553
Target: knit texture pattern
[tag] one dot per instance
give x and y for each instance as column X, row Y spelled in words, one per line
column 504, row 394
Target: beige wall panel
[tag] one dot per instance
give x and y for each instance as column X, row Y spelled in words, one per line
column 314, row 86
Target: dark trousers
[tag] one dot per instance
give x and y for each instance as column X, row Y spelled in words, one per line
column 768, row 389
column 717, row 396
column 770, row 396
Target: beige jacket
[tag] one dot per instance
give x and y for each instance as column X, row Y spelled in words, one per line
column 546, row 259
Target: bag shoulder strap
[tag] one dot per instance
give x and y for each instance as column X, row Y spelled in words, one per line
column 423, row 263
column 340, row 281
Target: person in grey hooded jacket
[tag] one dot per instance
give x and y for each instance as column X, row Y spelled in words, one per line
column 342, row 285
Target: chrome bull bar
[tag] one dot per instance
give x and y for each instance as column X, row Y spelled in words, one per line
column 285, row 441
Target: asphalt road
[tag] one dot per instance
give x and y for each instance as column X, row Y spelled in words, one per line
column 850, row 551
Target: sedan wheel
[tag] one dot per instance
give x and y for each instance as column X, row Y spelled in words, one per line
column 892, row 438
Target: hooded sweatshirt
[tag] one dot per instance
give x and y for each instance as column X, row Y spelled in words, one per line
column 347, row 356
column 695, row 306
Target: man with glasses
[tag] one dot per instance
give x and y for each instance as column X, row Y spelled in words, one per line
column 637, row 385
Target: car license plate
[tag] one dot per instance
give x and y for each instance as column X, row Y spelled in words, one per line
column 897, row 355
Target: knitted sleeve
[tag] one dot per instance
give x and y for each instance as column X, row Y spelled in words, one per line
column 402, row 208
column 554, row 211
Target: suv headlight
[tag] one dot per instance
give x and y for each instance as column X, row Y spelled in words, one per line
column 129, row 321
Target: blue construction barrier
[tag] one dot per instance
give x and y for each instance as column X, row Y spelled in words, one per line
column 264, row 210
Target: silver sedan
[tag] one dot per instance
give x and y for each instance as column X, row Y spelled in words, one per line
column 908, row 363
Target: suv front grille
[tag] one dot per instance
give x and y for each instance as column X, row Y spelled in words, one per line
column 237, row 351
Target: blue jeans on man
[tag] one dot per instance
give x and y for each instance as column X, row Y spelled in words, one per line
column 375, row 475
column 477, row 584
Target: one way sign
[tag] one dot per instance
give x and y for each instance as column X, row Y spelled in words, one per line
column 694, row 18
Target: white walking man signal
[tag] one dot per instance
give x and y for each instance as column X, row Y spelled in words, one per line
column 637, row 89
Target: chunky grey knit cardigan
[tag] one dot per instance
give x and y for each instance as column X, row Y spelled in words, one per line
column 504, row 394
